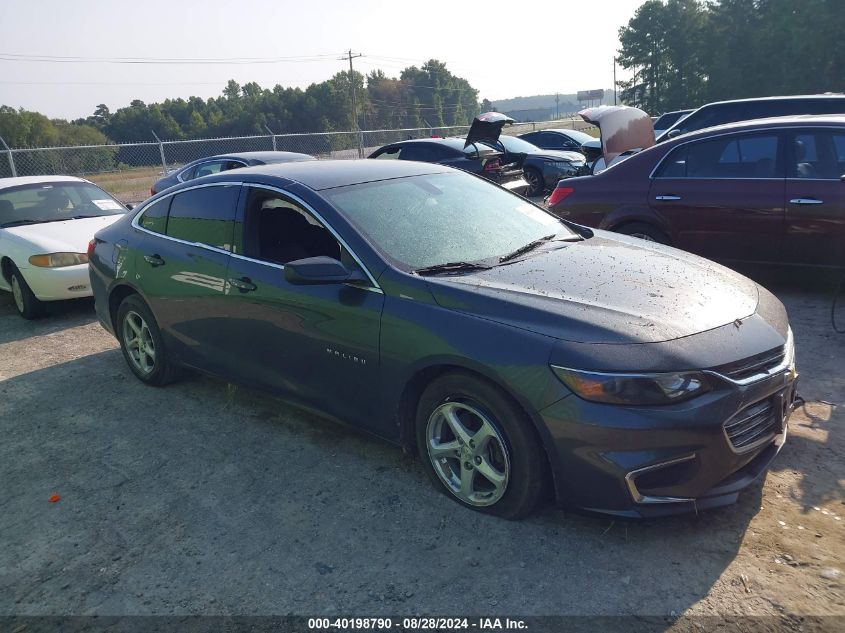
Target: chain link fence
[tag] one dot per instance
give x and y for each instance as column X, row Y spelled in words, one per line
column 127, row 170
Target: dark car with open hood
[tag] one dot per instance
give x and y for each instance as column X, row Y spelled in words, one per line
column 518, row 354
column 475, row 153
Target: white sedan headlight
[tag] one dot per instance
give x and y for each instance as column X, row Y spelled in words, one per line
column 58, row 260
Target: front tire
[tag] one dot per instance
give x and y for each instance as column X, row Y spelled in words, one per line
column 142, row 344
column 478, row 447
column 29, row 307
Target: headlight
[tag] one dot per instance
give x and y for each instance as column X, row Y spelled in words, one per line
column 565, row 166
column 58, row 260
column 633, row 389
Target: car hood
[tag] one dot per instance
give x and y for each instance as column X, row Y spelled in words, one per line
column 623, row 128
column 606, row 289
column 68, row 236
column 487, row 128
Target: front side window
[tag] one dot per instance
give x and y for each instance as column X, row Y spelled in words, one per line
column 729, row 157
column 431, row 219
column 278, row 230
column 215, row 167
column 55, row 202
column 204, row 215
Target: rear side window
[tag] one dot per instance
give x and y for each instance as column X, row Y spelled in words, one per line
column 391, row 153
column 205, row 215
column 725, row 157
column 426, row 153
column 154, row 217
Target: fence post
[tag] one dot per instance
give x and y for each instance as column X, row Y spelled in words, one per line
column 161, row 151
column 360, row 143
column 272, row 136
column 11, row 158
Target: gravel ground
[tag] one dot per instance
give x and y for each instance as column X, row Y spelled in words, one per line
column 203, row 498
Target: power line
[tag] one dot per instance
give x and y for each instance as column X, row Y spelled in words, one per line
column 73, row 59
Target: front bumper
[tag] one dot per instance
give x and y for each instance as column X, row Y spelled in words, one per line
column 651, row 461
column 56, row 284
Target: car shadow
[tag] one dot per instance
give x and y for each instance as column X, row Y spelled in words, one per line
column 59, row 316
column 203, row 497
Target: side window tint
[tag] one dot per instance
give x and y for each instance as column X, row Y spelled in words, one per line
column 817, row 154
column 154, row 217
column 420, row 152
column 280, row 231
column 733, row 157
column 188, row 174
column 389, row 154
column 205, row 215
column 675, row 165
column 206, row 169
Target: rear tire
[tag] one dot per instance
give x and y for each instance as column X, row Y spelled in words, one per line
column 478, row 447
column 536, row 183
column 645, row 232
column 142, row 344
column 29, row 307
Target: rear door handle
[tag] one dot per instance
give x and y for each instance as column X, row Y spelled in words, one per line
column 806, row 201
column 154, row 260
column 667, row 197
column 244, row 284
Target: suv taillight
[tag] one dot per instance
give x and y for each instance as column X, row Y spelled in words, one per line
column 559, row 194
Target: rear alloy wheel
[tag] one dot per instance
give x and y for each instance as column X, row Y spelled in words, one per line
column 29, row 307
column 536, row 184
column 644, row 231
column 141, row 343
column 478, row 447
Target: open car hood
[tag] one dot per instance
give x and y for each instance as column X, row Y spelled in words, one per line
column 487, row 128
column 623, row 129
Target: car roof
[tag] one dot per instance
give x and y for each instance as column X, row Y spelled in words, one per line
column 817, row 97
column 452, row 141
column 328, row 174
column 17, row 181
column 267, row 155
column 797, row 120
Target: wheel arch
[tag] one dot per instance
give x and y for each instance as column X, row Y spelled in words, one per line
column 6, row 265
column 116, row 296
column 424, row 376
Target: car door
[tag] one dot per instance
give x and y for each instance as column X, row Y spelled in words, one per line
column 815, row 198
column 723, row 197
column 181, row 256
column 318, row 344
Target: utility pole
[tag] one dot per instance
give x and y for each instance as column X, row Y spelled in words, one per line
column 557, row 106
column 614, row 80
column 350, row 56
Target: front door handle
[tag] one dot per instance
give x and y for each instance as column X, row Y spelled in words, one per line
column 806, row 201
column 154, row 260
column 244, row 284
column 670, row 197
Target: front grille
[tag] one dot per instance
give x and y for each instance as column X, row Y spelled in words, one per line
column 753, row 365
column 753, row 425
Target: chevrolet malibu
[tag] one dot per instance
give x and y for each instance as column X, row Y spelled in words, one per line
column 515, row 352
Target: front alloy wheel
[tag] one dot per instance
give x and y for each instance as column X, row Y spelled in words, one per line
column 468, row 453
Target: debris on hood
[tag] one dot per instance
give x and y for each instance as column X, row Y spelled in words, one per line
column 487, row 127
column 623, row 128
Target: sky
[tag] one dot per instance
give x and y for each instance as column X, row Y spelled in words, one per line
column 503, row 48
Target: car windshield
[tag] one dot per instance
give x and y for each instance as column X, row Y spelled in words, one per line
column 433, row 219
column 518, row 146
column 53, row 201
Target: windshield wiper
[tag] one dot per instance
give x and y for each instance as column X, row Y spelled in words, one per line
column 528, row 247
column 20, row 222
column 450, row 267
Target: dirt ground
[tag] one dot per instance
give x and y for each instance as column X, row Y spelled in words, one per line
column 203, row 498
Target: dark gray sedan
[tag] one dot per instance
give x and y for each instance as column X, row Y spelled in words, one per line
column 224, row 162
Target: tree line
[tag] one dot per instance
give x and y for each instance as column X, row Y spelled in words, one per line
column 425, row 96
column 685, row 53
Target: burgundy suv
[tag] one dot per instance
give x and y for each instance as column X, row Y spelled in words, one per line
column 763, row 191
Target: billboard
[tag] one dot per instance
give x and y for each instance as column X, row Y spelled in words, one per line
column 590, row 95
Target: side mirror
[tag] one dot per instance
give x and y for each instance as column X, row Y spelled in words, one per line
column 319, row 270
column 842, row 177
column 673, row 133
column 129, row 206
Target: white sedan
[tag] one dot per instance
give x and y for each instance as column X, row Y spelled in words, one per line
column 46, row 223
